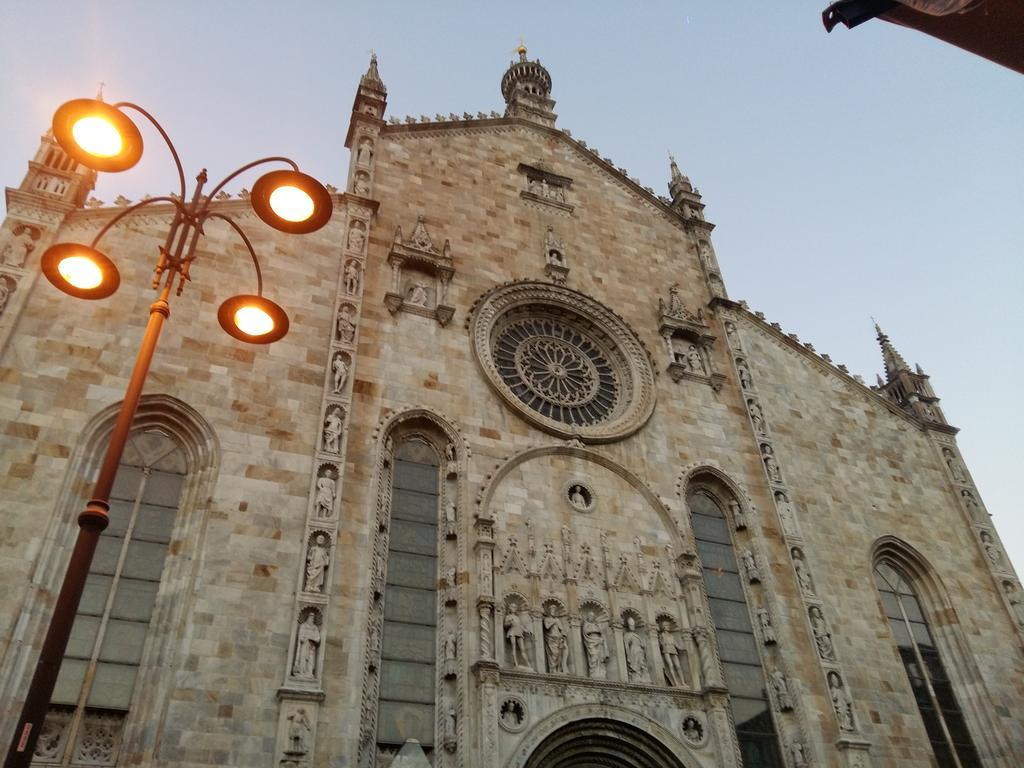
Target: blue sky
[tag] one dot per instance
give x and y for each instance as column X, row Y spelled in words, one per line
column 872, row 172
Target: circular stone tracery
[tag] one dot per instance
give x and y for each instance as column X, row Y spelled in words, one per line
column 563, row 361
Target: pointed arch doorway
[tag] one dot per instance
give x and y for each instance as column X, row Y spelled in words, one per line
column 601, row 743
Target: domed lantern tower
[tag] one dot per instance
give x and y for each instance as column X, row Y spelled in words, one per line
column 526, row 88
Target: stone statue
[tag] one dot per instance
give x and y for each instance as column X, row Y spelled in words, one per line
column 636, row 655
column 418, row 294
column 744, row 374
column 307, row 648
column 356, row 240
column 352, row 276
column 1016, row 602
column 750, row 567
column 955, row 467
column 730, row 331
column 346, row 324
column 364, row 155
column 739, row 517
column 675, row 307
column 516, row 634
column 340, row 368
column 991, row 549
column 764, row 620
column 556, row 643
column 803, row 576
column 325, row 490
column 695, row 361
column 451, row 460
column 18, row 248
column 786, row 512
column 840, row 702
column 822, row 637
column 332, row 430
column 796, row 752
column 770, row 464
column 450, row 519
column 596, row 648
column 577, row 498
column 450, row 656
column 781, row 688
column 362, row 184
column 670, row 649
column 756, row 416
column 317, row 560
column 299, row 730
column 971, row 503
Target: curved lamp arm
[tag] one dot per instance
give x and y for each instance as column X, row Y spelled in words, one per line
column 246, row 167
column 167, row 140
column 129, row 209
column 248, row 244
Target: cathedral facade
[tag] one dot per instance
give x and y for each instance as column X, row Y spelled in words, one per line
column 523, row 487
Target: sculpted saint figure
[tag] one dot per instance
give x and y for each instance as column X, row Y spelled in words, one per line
column 418, row 294
column 770, row 464
column 362, row 186
column 840, row 703
column 556, row 644
column 955, row 467
column 596, row 647
column 756, row 416
column 307, row 647
column 18, row 248
column 744, row 373
column 299, row 729
column 750, row 566
column 517, row 638
column 346, row 324
column 317, row 560
column 781, row 687
column 340, row 368
column 577, row 498
column 332, row 431
column 695, row 361
column 991, row 550
column 325, row 490
column 803, row 576
column 1015, row 600
column 352, row 277
column 739, row 517
column 822, row 637
column 356, row 240
column 796, row 751
column 365, row 152
column 636, row 656
column 670, row 651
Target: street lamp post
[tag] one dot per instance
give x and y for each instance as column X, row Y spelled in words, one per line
column 102, row 137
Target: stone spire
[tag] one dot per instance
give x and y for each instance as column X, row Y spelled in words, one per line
column 894, row 362
column 526, row 88
column 371, row 80
column 685, row 199
column 678, row 184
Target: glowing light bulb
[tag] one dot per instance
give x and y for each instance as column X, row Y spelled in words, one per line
column 97, row 136
column 81, row 272
column 253, row 321
column 291, row 203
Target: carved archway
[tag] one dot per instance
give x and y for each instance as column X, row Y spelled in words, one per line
column 601, row 742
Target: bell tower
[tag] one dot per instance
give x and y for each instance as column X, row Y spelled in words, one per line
column 526, row 88
column 55, row 176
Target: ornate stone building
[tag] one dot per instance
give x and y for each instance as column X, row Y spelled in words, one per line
column 522, row 488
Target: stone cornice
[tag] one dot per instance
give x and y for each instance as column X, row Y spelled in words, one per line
column 498, row 124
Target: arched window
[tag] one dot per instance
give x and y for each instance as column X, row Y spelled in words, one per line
column 737, row 646
column 98, row 674
column 408, row 677
column 933, row 691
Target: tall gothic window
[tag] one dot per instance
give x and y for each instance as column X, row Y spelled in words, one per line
column 101, row 663
column 737, row 646
column 943, row 719
column 408, row 650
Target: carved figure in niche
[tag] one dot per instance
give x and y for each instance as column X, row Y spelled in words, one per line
column 822, row 637
column 717, row 286
column 706, row 256
column 595, row 646
column 332, row 430
column 971, row 503
column 450, row 656
column 317, row 560
column 797, row 753
column 451, row 460
column 325, row 492
column 340, row 367
column 361, row 184
column 739, row 517
column 734, row 337
column 750, row 567
column 770, row 464
column 803, row 575
column 554, row 249
column 744, row 374
column 556, row 643
column 576, row 497
column 364, row 154
column 307, row 647
column 417, row 294
column 756, row 416
column 695, row 361
column 840, row 702
column 1016, row 602
column 693, row 731
column 786, row 512
column 955, row 467
column 347, row 324
column 670, row 652
column 636, row 655
column 451, row 728
column 991, row 549
column 511, row 714
column 929, row 412
column 299, row 731
column 781, row 688
column 356, row 238
column 451, row 586
column 450, row 519
column 19, row 246
column 486, row 572
column 516, row 634
column 352, row 277
column 675, row 307
column 764, row 620
column 6, row 288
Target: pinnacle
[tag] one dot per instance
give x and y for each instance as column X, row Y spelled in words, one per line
column 893, row 360
column 372, row 76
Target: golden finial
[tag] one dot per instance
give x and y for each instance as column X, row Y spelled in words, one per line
column 521, row 49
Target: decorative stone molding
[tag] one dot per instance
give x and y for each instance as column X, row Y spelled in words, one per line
column 556, row 264
column 688, row 341
column 587, row 376
column 420, row 275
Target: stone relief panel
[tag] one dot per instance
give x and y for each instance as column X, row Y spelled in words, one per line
column 420, row 275
column 18, row 244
